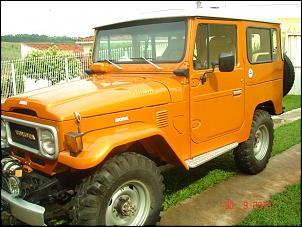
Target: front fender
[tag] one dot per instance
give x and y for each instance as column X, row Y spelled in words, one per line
column 97, row 144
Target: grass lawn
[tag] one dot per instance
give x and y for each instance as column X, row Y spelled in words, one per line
column 286, row 210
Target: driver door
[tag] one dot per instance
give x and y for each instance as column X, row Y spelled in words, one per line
column 216, row 104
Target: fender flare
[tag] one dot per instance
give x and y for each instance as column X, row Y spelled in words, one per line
column 99, row 143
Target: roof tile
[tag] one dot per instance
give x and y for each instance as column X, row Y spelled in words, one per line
column 85, row 39
column 60, row 46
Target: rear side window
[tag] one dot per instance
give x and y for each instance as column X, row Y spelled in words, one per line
column 262, row 45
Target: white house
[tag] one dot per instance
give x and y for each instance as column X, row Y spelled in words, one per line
column 86, row 42
column 291, row 42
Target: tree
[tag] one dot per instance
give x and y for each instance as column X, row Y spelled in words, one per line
column 51, row 65
column 37, row 38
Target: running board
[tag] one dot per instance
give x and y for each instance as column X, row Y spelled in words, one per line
column 200, row 159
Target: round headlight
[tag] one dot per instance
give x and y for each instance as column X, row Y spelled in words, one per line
column 48, row 143
column 14, row 185
column 3, row 130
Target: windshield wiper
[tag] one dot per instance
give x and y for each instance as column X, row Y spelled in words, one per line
column 117, row 66
column 156, row 66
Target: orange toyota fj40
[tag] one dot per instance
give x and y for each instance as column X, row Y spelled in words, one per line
column 179, row 88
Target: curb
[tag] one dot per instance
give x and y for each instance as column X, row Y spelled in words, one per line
column 287, row 117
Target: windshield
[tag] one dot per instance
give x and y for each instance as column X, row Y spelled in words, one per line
column 148, row 41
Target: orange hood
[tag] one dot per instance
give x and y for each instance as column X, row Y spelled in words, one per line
column 91, row 97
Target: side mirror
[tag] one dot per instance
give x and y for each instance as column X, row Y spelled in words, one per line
column 226, row 62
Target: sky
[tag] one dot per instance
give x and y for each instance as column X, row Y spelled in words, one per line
column 78, row 18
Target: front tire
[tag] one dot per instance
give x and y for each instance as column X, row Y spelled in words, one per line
column 253, row 155
column 126, row 191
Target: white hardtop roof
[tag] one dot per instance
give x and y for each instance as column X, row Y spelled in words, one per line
column 205, row 13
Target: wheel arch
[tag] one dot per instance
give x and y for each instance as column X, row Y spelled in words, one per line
column 267, row 106
column 154, row 147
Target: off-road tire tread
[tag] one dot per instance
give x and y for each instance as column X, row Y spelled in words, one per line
column 243, row 154
column 93, row 189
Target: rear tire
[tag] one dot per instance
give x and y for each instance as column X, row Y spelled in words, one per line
column 253, row 155
column 127, row 190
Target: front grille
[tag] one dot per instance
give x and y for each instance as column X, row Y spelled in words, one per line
column 24, row 135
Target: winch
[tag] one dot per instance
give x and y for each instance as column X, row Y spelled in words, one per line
column 12, row 174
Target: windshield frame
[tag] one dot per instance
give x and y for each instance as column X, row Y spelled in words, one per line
column 148, row 41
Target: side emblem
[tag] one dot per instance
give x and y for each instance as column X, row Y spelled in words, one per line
column 119, row 119
column 23, row 102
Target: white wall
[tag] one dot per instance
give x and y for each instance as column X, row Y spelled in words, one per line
column 25, row 50
column 293, row 51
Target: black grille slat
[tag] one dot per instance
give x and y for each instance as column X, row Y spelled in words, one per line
column 37, row 160
column 19, row 153
column 24, row 140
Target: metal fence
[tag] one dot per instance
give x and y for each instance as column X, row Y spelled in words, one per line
column 21, row 75
column 26, row 74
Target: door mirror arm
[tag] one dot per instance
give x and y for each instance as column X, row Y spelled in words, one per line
column 203, row 78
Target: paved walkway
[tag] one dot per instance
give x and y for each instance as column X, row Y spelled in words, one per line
column 209, row 207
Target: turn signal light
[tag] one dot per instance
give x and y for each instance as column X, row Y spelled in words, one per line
column 74, row 143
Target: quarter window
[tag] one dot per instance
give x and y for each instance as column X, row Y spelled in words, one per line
column 262, row 45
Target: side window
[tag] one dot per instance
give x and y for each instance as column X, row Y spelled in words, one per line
column 262, row 45
column 211, row 40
